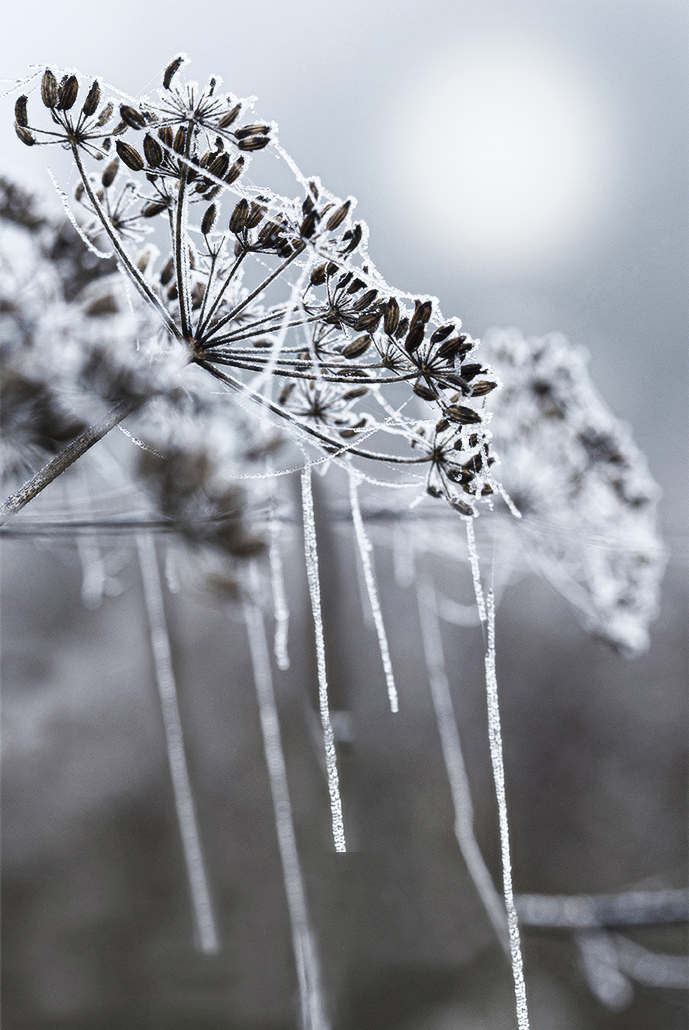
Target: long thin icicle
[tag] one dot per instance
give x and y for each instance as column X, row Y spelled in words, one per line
column 454, row 760
column 204, row 920
column 365, row 548
column 280, row 606
column 475, row 570
column 308, row 972
column 311, row 556
column 496, row 756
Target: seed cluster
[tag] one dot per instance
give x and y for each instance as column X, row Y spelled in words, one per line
column 280, row 292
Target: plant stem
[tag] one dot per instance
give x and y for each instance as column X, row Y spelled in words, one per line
column 63, row 460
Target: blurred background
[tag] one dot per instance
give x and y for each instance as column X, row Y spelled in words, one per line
column 526, row 162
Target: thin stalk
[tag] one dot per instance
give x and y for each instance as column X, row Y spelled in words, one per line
column 57, row 465
column 292, row 373
column 214, row 307
column 206, row 293
column 181, row 251
column 132, row 270
column 244, row 334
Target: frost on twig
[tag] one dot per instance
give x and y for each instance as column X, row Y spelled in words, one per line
column 584, row 489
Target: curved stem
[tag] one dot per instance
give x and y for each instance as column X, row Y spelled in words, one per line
column 63, row 460
column 182, row 252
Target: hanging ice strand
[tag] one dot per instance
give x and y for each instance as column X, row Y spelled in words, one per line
column 454, row 760
column 364, row 546
column 311, row 557
column 308, row 973
column 496, row 755
column 181, row 785
column 280, row 606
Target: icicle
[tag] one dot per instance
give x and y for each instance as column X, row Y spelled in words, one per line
column 311, row 556
column 475, row 571
column 496, row 756
column 454, row 761
column 365, row 548
column 184, row 801
column 280, row 606
column 308, row 973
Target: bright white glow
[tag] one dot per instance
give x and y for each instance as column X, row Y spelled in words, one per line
column 500, row 152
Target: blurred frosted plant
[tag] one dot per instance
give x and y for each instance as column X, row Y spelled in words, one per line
column 583, row 487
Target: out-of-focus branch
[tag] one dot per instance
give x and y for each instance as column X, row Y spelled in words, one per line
column 588, row 911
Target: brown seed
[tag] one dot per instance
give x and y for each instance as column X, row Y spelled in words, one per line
column 471, row 370
column 357, row 347
column 461, row 506
column 402, row 329
column 369, row 320
column 153, row 208
column 308, row 226
column 25, row 135
column 332, row 268
column 105, row 116
column 343, row 280
column 235, row 171
column 109, row 172
column 119, row 128
column 92, row 101
column 422, row 313
column 355, row 286
column 67, row 93
column 252, row 130
column 455, row 345
column 131, row 157
column 167, row 272
column 285, row 392
column 392, row 316
column 219, row 165
column 172, row 293
column 255, row 216
column 172, row 70
column 338, row 216
column 230, row 117
column 482, row 387
column 180, row 140
column 442, row 333
column 318, row 275
column 421, row 389
column 49, row 94
column 133, row 118
column 365, row 302
column 209, row 219
column 20, row 112
column 153, row 151
column 143, row 260
column 414, row 338
column 434, row 491
column 357, row 391
column 354, row 237
column 239, row 216
column 78, row 191
column 442, row 425
column 211, row 194
column 460, row 413
column 165, row 135
column 253, row 143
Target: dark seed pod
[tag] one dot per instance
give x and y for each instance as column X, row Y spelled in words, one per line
column 460, row 413
column 239, row 216
column 49, row 89
column 172, row 293
column 392, row 316
column 252, row 130
column 230, row 117
column 442, row 333
column 106, row 144
column 105, row 116
column 357, row 347
column 355, row 286
column 67, row 93
column 414, row 338
column 109, row 172
column 459, row 476
column 92, row 101
column 119, row 128
column 369, row 320
column 20, row 112
column 235, row 171
column 269, row 234
column 318, row 275
column 131, row 157
column 167, row 272
column 179, row 142
column 461, row 506
column 434, row 491
column 285, row 392
column 133, row 118
column 165, row 135
column 338, row 216
column 365, row 302
column 474, row 464
column 471, row 370
column 402, row 329
column 153, row 208
column 209, row 219
column 255, row 216
column 442, row 425
column 332, row 268
column 253, row 143
column 343, row 280
column 455, row 345
column 354, row 239
column 212, row 193
column 172, row 70
column 219, row 165
column 308, row 226
column 78, row 191
column 482, row 387
column 153, row 151
column 421, row 389
column 357, row 391
column 422, row 313
column 25, row 135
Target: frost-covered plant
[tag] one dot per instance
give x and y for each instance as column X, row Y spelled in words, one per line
column 587, row 499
